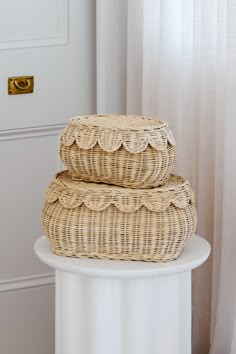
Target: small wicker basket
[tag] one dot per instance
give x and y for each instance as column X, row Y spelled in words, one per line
column 128, row 151
column 102, row 221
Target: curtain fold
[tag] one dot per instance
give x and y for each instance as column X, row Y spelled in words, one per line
column 176, row 59
column 224, row 331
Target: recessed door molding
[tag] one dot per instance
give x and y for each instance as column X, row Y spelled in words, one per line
column 32, row 33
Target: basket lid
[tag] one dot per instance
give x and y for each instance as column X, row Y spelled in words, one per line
column 112, row 131
column 98, row 196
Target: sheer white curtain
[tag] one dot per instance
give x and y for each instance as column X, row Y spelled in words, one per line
column 176, row 59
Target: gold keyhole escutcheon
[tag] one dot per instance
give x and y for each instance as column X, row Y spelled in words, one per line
column 20, row 85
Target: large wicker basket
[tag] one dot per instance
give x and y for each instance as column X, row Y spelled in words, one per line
column 102, row 221
column 128, row 151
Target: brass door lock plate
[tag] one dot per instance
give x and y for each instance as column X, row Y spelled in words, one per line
column 20, row 84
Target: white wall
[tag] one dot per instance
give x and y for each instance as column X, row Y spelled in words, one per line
column 54, row 41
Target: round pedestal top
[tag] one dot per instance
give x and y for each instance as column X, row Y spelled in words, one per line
column 194, row 254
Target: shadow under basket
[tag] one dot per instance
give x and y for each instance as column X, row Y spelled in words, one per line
column 89, row 220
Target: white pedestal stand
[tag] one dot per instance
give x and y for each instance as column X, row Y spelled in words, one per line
column 121, row 307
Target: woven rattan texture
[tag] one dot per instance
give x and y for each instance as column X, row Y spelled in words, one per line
column 119, row 122
column 99, row 221
column 149, row 168
column 128, row 151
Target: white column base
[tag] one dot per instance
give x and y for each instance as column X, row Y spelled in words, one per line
column 121, row 307
column 114, row 316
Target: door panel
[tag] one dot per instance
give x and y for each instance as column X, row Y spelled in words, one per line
column 28, row 23
column 28, row 325
column 29, row 159
column 64, row 73
column 54, row 41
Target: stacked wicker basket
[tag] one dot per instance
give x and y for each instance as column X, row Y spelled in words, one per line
column 118, row 198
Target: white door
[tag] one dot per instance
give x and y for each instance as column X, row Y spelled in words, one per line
column 53, row 41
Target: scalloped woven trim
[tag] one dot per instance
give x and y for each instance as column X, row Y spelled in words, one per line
column 97, row 197
column 113, row 131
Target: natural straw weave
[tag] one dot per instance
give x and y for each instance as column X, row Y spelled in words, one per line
column 102, row 221
column 128, row 151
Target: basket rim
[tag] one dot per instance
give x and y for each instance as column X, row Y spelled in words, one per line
column 119, row 122
column 72, row 193
column 112, row 136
